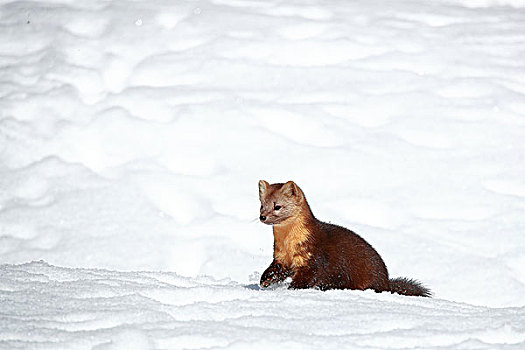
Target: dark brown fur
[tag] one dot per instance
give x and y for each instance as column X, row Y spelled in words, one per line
column 321, row 255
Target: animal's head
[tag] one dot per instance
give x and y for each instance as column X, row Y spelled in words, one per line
column 280, row 202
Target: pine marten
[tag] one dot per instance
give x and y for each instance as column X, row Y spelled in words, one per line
column 319, row 255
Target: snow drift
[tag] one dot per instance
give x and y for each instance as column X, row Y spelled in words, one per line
column 47, row 307
column 133, row 134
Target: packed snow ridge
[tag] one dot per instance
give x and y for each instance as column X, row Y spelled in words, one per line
column 133, row 135
column 48, row 307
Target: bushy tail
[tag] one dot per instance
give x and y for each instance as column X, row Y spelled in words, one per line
column 407, row 286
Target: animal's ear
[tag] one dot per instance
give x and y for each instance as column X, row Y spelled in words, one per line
column 290, row 189
column 263, row 188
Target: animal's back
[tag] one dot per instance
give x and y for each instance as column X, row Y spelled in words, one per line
column 350, row 261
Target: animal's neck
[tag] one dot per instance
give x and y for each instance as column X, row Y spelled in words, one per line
column 290, row 239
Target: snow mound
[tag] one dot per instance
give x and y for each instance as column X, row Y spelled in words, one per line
column 49, row 307
column 133, row 135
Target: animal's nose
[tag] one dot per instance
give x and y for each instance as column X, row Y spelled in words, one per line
column 262, row 217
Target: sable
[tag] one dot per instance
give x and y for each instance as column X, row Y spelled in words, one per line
column 321, row 255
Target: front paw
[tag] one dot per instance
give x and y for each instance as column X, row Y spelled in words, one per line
column 265, row 284
column 268, row 277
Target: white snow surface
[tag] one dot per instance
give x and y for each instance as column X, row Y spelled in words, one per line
column 133, row 135
column 48, row 307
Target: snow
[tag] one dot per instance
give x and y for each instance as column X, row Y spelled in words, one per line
column 133, row 135
column 48, row 307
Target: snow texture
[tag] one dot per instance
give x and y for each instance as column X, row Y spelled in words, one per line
column 133, row 135
column 48, row 307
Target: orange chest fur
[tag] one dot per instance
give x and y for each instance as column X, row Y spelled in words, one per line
column 290, row 246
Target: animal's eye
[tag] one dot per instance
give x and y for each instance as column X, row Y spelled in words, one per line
column 277, row 207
